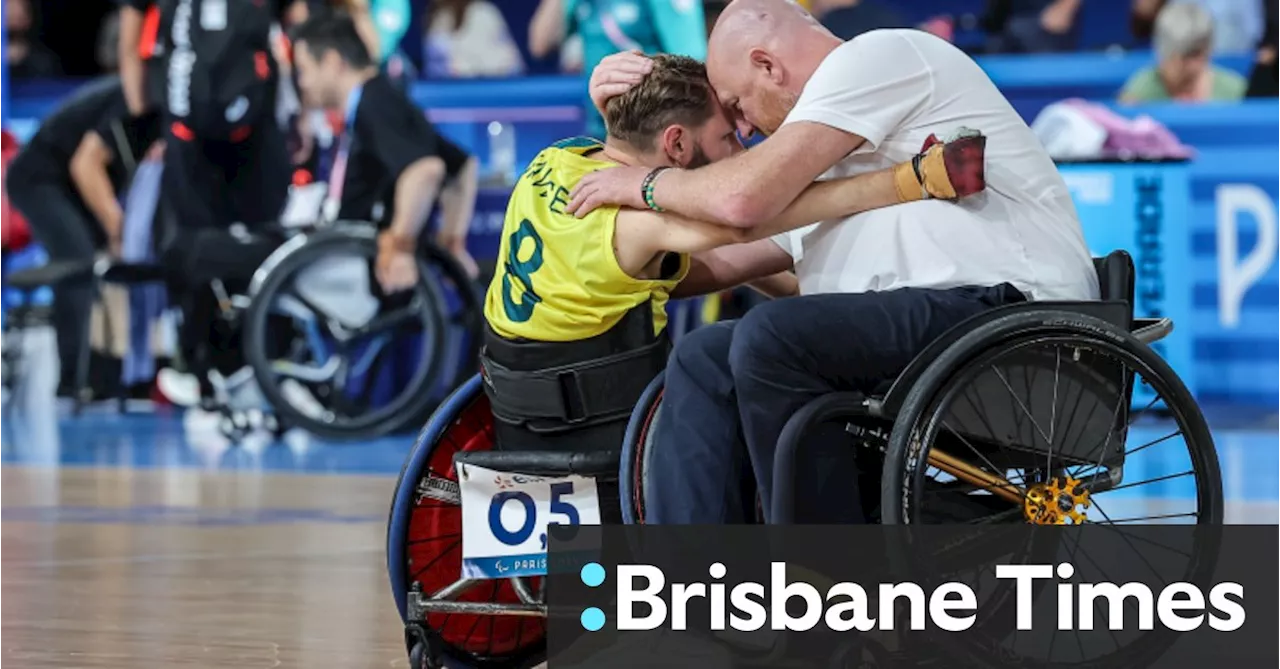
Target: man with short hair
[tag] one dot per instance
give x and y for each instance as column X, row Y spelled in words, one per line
column 876, row 288
column 576, row 320
column 392, row 165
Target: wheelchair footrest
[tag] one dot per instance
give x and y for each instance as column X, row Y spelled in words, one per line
column 599, row 464
column 130, row 273
column 54, row 273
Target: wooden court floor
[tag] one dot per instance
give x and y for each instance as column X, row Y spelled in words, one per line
column 134, row 569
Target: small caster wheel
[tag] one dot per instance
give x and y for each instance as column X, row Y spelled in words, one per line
column 418, row 657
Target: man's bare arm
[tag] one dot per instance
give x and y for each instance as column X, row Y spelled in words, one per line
column 89, row 174
column 546, row 29
column 132, row 76
column 743, row 191
column 416, row 191
column 782, row 284
column 757, row 185
column 730, row 266
column 642, row 234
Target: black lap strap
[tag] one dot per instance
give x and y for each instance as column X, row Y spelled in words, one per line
column 576, row 392
column 602, row 464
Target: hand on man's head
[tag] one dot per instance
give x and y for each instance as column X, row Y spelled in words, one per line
column 616, row 75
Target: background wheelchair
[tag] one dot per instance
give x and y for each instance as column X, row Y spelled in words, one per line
column 1028, row 413
column 335, row 356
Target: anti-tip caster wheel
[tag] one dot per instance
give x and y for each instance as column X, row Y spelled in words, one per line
column 418, row 657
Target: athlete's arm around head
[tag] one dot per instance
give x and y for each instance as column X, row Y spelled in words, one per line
column 946, row 171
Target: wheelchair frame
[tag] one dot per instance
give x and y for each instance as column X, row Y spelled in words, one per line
column 244, row 306
column 1109, row 319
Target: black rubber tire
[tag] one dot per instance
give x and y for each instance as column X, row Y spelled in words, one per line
column 470, row 318
column 632, row 482
column 1031, row 325
column 407, row 408
column 906, row 444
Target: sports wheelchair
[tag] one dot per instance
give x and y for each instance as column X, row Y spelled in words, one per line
column 327, row 349
column 1027, row 413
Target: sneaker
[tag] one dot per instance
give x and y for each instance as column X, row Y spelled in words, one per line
column 302, row 399
column 178, row 388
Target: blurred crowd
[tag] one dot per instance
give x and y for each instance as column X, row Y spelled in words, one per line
column 500, row 38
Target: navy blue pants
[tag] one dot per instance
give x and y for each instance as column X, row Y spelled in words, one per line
column 732, row 386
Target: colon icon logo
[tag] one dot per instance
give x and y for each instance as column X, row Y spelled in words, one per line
column 592, row 575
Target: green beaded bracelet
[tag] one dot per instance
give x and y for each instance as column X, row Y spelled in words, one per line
column 646, row 189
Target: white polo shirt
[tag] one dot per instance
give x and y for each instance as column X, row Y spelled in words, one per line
column 894, row 88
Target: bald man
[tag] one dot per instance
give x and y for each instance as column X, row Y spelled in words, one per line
column 877, row 287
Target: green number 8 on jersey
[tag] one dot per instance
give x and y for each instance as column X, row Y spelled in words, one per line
column 522, row 271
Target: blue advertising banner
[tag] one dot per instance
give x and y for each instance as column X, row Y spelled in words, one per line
column 1141, row 208
column 1204, row 236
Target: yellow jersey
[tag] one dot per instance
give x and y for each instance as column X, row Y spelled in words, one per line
column 557, row 277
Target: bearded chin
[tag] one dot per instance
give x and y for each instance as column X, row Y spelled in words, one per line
column 776, row 110
column 698, row 159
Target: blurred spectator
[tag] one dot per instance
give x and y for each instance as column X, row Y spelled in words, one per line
column 609, row 26
column 470, row 38
column 382, row 25
column 1238, row 24
column 1262, row 81
column 25, row 55
column 849, row 18
column 1032, row 26
column 1183, row 41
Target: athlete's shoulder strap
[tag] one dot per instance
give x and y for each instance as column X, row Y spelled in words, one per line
column 581, row 144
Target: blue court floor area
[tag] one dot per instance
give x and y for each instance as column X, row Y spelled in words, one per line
column 166, row 439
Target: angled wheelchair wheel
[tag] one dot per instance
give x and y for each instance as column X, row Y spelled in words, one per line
column 1044, row 418
column 463, row 311
column 632, row 479
column 332, row 354
column 635, row 482
column 424, row 546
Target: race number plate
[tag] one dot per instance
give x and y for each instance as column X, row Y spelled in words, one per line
column 505, row 518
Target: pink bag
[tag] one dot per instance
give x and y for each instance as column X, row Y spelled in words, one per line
column 1081, row 129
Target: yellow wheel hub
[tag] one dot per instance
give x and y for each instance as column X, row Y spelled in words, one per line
column 1061, row 501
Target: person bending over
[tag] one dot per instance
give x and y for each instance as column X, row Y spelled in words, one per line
column 392, row 165
column 67, row 182
column 575, row 314
column 876, row 288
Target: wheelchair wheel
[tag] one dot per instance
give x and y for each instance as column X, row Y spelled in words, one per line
column 424, row 544
column 1030, row 419
column 635, row 485
column 635, row 452
column 342, row 375
column 463, row 309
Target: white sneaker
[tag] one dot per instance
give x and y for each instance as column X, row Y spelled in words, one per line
column 301, row 399
column 180, row 389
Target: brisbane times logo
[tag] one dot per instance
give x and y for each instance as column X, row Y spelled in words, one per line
column 646, row 601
